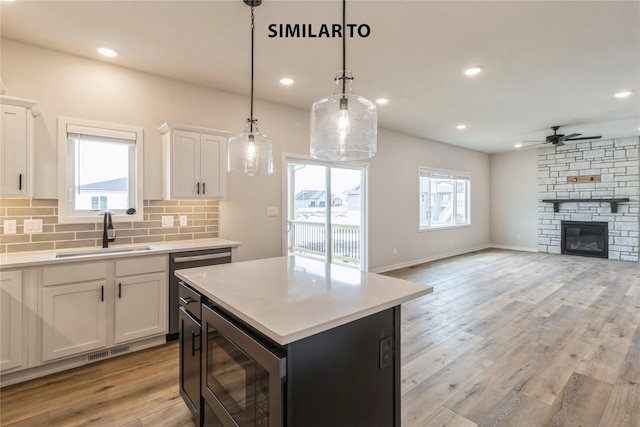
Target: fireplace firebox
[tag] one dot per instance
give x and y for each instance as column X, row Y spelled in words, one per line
column 585, row 238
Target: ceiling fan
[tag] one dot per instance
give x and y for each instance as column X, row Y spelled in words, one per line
column 558, row 139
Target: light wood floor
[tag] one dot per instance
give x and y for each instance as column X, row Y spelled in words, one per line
column 506, row 339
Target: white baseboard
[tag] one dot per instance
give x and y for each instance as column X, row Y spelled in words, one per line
column 450, row 254
column 429, row 259
column 514, row 248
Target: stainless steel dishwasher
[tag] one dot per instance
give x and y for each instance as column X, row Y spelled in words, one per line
column 190, row 259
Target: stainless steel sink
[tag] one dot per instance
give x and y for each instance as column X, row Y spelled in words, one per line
column 106, row 251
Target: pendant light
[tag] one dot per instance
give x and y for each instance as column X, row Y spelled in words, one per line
column 250, row 152
column 344, row 126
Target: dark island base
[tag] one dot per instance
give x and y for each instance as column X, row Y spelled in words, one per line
column 335, row 378
column 348, row 376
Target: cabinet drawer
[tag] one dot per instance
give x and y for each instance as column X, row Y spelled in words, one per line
column 190, row 300
column 74, row 273
column 141, row 265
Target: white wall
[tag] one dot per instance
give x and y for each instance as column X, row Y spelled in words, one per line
column 514, row 200
column 394, row 201
column 67, row 85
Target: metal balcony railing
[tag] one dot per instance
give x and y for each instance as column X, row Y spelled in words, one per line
column 309, row 238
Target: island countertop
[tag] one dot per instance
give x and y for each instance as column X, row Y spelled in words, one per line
column 290, row 298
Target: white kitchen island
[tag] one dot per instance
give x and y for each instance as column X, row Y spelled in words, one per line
column 338, row 329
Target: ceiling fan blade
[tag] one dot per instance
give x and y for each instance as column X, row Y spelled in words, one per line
column 584, row 137
column 538, row 144
column 537, row 140
column 571, row 135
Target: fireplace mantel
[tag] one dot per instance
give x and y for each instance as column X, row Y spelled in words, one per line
column 612, row 202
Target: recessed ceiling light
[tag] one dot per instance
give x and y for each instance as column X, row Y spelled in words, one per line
column 107, row 51
column 461, row 127
column 382, row 101
column 518, row 145
column 286, row 81
column 623, row 94
column 473, row 70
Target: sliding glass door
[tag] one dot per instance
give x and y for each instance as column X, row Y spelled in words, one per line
column 326, row 211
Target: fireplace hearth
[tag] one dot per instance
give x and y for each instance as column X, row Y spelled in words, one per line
column 585, row 238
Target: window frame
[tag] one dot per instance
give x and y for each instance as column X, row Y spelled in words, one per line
column 429, row 172
column 66, row 126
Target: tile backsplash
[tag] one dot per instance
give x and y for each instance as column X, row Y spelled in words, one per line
column 202, row 223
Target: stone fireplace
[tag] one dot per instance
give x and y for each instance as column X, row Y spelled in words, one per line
column 590, row 182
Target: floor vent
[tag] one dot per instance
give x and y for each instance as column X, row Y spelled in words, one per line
column 120, row 350
column 97, row 355
column 104, row 354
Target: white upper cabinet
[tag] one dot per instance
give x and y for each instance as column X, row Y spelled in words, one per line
column 194, row 162
column 16, row 146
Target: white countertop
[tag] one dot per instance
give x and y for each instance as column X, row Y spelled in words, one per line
column 291, row 298
column 32, row 259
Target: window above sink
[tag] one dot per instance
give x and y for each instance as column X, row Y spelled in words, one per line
column 99, row 168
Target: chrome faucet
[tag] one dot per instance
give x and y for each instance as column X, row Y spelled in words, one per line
column 107, row 225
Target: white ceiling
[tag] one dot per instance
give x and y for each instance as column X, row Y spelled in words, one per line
column 545, row 62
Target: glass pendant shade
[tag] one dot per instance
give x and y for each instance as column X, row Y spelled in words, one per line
column 344, row 126
column 250, row 152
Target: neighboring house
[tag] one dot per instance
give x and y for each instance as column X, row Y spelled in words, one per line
column 110, row 194
column 315, row 199
column 441, row 206
column 353, row 197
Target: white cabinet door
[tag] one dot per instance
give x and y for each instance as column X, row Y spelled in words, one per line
column 185, row 170
column 141, row 306
column 212, row 170
column 14, row 151
column 11, row 332
column 194, row 161
column 74, row 319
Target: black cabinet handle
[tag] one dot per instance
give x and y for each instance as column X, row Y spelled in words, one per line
column 20, row 182
column 120, row 290
column 102, row 293
column 193, row 343
column 203, row 191
column 198, row 191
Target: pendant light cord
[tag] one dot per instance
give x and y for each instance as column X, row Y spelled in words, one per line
column 344, row 47
column 251, row 119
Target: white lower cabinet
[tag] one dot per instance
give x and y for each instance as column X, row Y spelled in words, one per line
column 11, row 313
column 97, row 305
column 74, row 319
column 141, row 300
